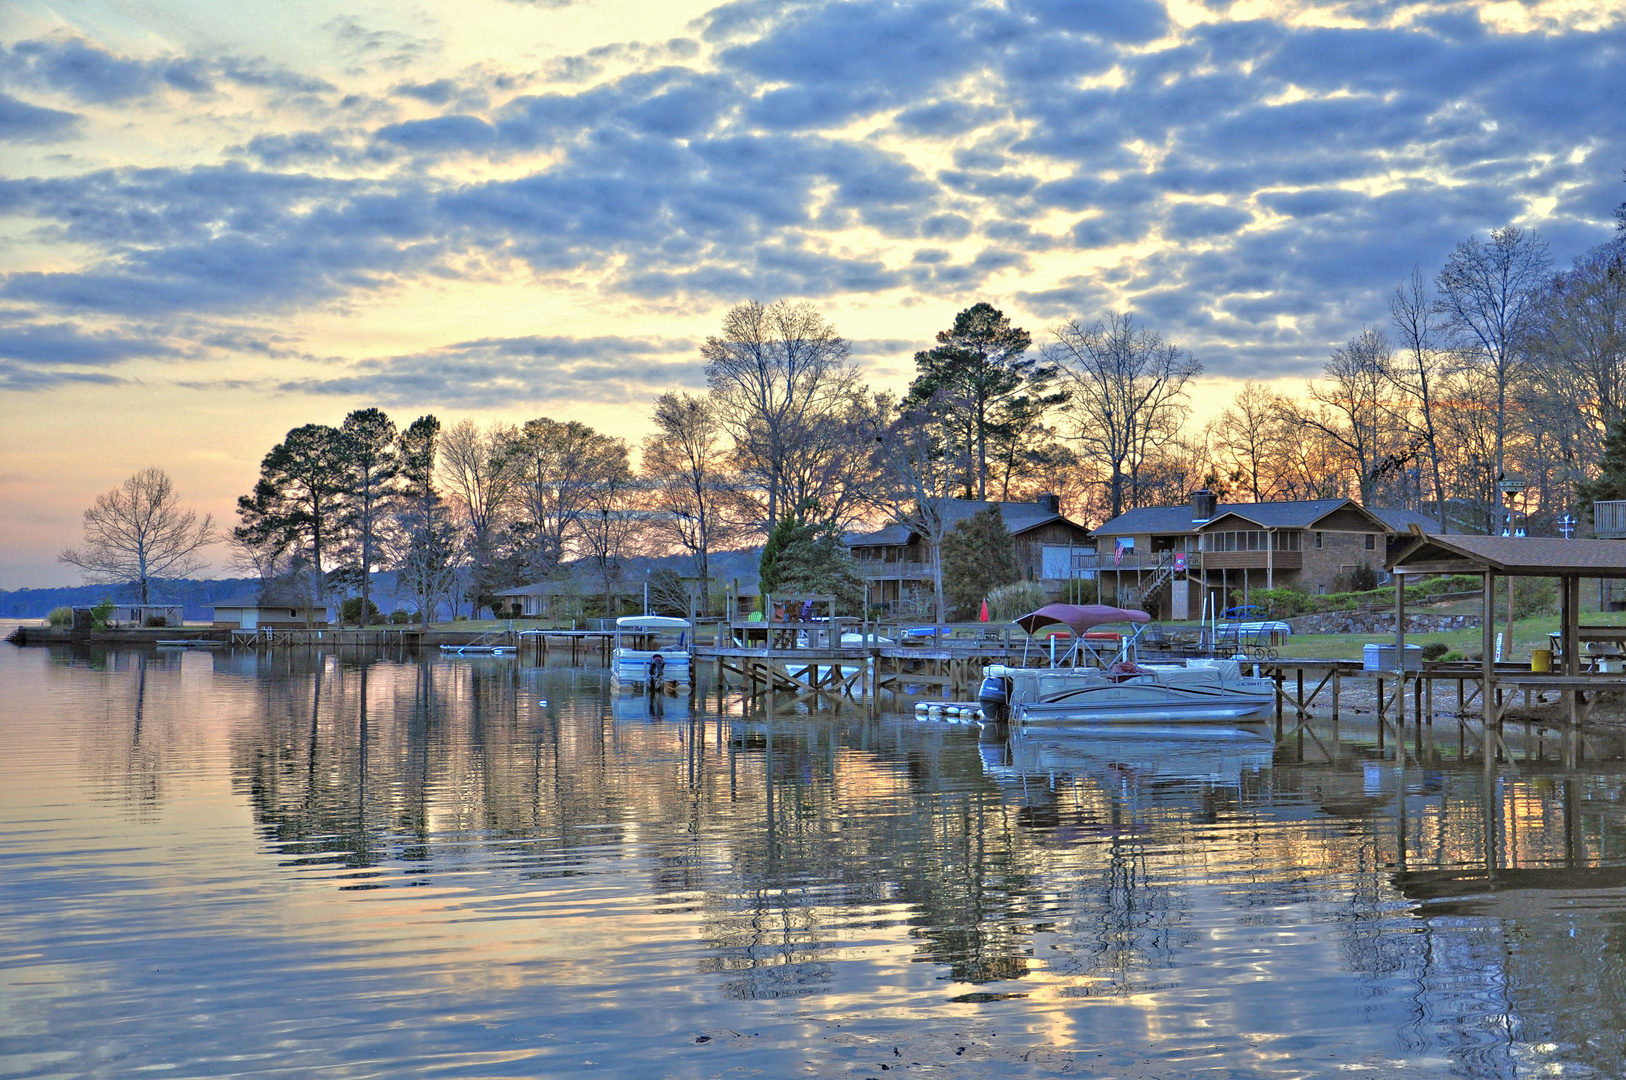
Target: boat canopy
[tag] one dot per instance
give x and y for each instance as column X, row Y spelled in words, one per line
column 650, row 623
column 1080, row 617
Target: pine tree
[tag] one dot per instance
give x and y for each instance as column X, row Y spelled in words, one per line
column 982, row 387
column 1610, row 482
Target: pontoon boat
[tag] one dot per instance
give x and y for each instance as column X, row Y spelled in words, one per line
column 1101, row 680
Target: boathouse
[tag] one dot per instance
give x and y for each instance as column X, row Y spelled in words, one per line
column 251, row 614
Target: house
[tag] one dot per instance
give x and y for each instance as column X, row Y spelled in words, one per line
column 249, row 613
column 1167, row 559
column 896, row 564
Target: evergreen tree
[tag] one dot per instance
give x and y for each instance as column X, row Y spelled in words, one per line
column 982, row 387
column 1610, row 482
column 978, row 557
column 803, row 556
column 295, row 504
column 371, row 462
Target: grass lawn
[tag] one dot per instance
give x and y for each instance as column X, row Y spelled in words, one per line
column 1527, row 634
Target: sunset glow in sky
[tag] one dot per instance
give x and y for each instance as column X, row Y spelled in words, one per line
column 223, row 220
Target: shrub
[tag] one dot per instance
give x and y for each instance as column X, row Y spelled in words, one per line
column 156, row 620
column 1452, row 657
column 1282, row 603
column 1361, row 578
column 350, row 612
column 400, row 617
column 100, row 614
column 61, row 618
column 1435, row 649
column 1014, row 600
column 1534, row 596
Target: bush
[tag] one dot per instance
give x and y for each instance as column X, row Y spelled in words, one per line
column 1435, row 649
column 1534, row 596
column 1012, row 601
column 156, row 620
column 100, row 614
column 1361, row 578
column 400, row 617
column 61, row 618
column 1282, row 603
column 1452, row 657
column 350, row 612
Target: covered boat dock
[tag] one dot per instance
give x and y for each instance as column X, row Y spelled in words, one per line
column 1493, row 557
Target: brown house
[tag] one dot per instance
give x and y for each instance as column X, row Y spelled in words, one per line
column 1167, row 559
column 896, row 563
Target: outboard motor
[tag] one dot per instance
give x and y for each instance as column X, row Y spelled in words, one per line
column 657, row 673
column 994, row 697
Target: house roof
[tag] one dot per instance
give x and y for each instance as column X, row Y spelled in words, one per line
column 1301, row 514
column 254, row 602
column 1019, row 517
column 1402, row 520
column 1515, row 556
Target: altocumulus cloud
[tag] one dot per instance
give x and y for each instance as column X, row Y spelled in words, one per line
column 1252, row 187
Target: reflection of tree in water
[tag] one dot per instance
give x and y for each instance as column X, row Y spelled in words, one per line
column 131, row 740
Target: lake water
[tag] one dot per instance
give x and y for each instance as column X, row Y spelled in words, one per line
column 297, row 864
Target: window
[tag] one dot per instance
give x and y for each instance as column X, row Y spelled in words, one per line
column 1371, row 541
column 1317, row 539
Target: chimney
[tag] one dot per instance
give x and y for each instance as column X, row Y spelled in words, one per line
column 1050, row 501
column 1203, row 506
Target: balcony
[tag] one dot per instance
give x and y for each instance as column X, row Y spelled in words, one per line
column 875, row 570
column 1609, row 519
column 1253, row 560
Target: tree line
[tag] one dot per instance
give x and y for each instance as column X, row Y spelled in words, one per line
column 1495, row 367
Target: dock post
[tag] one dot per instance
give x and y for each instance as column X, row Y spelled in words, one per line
column 1277, row 679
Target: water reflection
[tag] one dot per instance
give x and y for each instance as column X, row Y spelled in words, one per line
column 519, row 850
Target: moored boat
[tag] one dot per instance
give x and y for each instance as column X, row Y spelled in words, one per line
column 1096, row 683
column 666, row 663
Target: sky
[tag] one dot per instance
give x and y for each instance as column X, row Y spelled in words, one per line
column 220, row 221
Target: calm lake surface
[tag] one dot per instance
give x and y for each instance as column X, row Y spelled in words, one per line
column 223, row 864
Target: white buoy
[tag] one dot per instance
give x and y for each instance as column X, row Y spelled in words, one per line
column 543, row 703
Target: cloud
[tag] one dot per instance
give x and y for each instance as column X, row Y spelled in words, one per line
column 66, row 344
column 495, row 372
column 1221, row 172
column 22, row 122
column 92, row 74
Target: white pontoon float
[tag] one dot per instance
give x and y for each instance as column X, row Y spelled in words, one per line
column 668, row 662
column 1100, row 679
column 480, row 646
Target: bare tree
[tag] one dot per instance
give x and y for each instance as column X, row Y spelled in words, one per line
column 1487, row 295
column 608, row 521
column 1248, row 441
column 1421, row 369
column 1580, row 325
column 684, row 462
column 1347, row 406
column 777, row 372
column 480, row 479
column 1128, row 393
column 918, row 479
column 138, row 533
column 558, row 467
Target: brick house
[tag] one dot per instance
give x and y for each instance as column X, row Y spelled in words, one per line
column 896, row 564
column 1167, row 559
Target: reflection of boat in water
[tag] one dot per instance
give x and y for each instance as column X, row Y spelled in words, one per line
column 1088, row 685
column 645, row 708
column 665, row 664
column 1174, row 755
